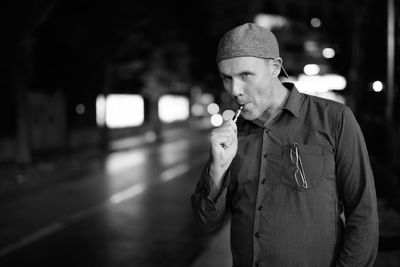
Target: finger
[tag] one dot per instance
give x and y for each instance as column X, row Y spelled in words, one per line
column 226, row 132
column 227, row 128
column 232, row 125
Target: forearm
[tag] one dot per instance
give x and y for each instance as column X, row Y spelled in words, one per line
column 360, row 236
column 209, row 201
column 357, row 194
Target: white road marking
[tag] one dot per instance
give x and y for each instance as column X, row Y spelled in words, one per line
column 50, row 229
column 174, row 172
column 127, row 193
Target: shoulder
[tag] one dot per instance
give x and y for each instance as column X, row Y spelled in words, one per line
column 327, row 108
column 326, row 112
column 323, row 103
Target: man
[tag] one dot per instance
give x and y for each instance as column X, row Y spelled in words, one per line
column 294, row 172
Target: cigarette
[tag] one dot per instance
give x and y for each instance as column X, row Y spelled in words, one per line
column 237, row 114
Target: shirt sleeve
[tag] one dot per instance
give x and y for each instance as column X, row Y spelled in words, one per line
column 209, row 213
column 357, row 194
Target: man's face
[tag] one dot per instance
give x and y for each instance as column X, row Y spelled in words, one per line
column 249, row 81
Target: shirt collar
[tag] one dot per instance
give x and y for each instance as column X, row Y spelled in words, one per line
column 292, row 103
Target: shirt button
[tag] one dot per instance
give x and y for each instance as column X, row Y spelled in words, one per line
column 260, row 207
column 263, row 181
column 257, row 235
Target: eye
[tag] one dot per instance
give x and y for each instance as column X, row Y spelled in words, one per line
column 246, row 74
column 225, row 78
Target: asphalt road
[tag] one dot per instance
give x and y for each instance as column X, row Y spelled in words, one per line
column 128, row 208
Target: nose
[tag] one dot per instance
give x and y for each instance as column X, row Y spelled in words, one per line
column 237, row 88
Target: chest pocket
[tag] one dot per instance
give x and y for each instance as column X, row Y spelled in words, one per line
column 304, row 166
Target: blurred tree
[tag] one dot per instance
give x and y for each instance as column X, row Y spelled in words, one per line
column 19, row 46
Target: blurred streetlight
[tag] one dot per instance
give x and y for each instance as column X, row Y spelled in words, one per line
column 228, row 114
column 173, row 108
column 197, row 110
column 271, row 21
column 80, row 109
column 311, row 69
column 328, row 52
column 213, row 108
column 315, row 22
column 377, row 86
column 216, row 120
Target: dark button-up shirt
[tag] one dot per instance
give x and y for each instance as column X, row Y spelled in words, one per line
column 300, row 190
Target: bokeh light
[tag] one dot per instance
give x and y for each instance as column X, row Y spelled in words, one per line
column 315, row 22
column 197, row 110
column 216, row 120
column 328, row 52
column 377, row 86
column 173, row 108
column 212, row 108
column 311, row 69
column 124, row 110
column 80, row 109
column 228, row 114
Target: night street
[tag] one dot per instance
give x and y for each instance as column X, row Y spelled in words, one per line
column 129, row 208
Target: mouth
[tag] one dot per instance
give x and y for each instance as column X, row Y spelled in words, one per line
column 242, row 104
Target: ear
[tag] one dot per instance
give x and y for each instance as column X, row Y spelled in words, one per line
column 276, row 65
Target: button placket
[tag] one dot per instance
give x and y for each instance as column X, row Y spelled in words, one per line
column 262, row 187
